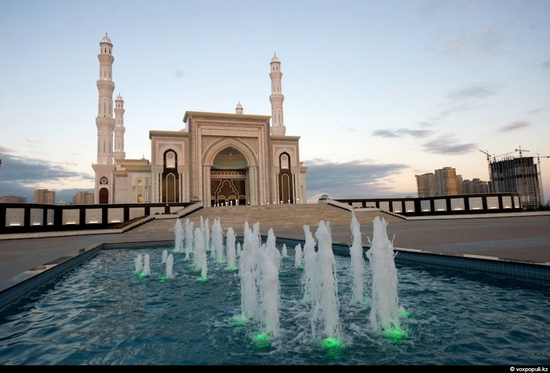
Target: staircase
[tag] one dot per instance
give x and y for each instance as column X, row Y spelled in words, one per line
column 269, row 216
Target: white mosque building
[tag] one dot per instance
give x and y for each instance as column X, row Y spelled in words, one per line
column 217, row 158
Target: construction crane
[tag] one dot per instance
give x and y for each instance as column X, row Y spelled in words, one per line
column 520, row 150
column 488, row 167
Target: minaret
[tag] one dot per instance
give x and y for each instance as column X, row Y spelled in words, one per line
column 276, row 98
column 105, row 122
column 239, row 108
column 119, row 129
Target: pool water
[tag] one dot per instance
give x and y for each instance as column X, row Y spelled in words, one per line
column 101, row 312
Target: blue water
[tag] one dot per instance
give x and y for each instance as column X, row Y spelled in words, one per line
column 102, row 313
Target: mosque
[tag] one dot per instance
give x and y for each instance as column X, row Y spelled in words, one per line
column 217, row 158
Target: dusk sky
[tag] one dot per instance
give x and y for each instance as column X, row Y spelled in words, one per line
column 378, row 91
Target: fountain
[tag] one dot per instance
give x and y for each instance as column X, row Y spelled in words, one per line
column 258, row 316
column 179, row 236
column 298, row 256
column 269, row 265
column 310, row 266
column 231, row 250
column 384, row 305
column 138, row 264
column 248, row 275
column 217, row 242
column 188, row 238
column 169, row 267
column 325, row 304
column 357, row 262
column 199, row 254
column 146, row 271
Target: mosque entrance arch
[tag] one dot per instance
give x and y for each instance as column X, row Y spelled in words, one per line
column 228, row 178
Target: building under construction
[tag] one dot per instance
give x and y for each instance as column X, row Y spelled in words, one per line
column 518, row 175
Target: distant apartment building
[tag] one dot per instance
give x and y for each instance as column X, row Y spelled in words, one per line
column 475, row 186
column 83, row 198
column 445, row 181
column 459, row 184
column 13, row 199
column 517, row 175
column 44, row 196
column 425, row 184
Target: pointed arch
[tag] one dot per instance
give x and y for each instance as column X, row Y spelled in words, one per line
column 216, row 147
column 170, row 176
column 286, row 187
column 227, row 172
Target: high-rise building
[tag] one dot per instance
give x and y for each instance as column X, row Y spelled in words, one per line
column 44, row 196
column 425, row 185
column 475, row 186
column 13, row 199
column 83, row 198
column 446, row 182
column 459, row 184
column 517, row 175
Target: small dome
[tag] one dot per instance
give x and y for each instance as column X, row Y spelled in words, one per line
column 275, row 58
column 106, row 39
column 119, row 98
column 239, row 108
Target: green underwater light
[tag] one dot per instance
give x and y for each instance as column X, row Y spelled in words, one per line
column 163, row 279
column 262, row 340
column 403, row 314
column 334, row 346
column 202, row 279
column 240, row 320
column 143, row 275
column 394, row 334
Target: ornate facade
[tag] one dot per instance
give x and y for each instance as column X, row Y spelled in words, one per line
column 217, row 158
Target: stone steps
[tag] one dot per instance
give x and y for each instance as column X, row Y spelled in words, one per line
column 269, row 216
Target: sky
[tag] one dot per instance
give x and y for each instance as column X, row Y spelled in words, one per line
column 378, row 91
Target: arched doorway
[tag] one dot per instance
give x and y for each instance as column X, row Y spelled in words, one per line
column 104, row 195
column 228, row 178
column 286, row 188
column 170, row 177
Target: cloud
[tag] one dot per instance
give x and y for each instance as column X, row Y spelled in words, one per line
column 349, row 129
column 6, row 150
column 20, row 176
column 385, row 133
column 476, row 91
column 546, row 65
column 431, row 11
column 354, row 179
column 402, row 132
column 481, row 43
column 514, row 126
column 535, row 111
column 447, row 145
